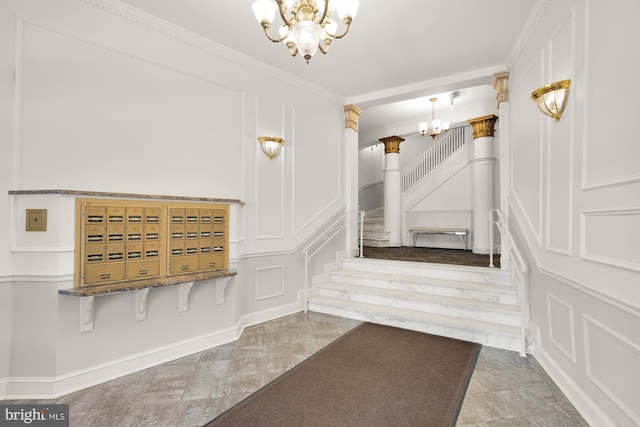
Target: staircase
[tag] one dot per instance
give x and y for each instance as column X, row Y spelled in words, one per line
column 374, row 233
column 476, row 304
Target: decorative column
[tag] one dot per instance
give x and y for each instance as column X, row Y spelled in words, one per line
column 351, row 116
column 501, row 85
column 482, row 180
column 392, row 190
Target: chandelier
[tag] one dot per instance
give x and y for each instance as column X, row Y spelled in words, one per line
column 309, row 26
column 438, row 126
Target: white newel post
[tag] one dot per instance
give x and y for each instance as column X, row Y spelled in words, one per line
column 351, row 117
column 392, row 190
column 483, row 180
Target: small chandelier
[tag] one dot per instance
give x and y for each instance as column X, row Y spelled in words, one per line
column 309, row 26
column 551, row 99
column 438, row 126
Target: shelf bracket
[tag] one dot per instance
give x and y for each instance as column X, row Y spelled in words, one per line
column 221, row 284
column 183, row 296
column 86, row 314
column 141, row 304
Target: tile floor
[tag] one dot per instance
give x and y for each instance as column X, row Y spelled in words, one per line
column 505, row 390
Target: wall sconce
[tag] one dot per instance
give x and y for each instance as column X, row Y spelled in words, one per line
column 271, row 145
column 551, row 99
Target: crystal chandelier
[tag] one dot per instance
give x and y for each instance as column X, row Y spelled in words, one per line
column 309, row 26
column 438, row 126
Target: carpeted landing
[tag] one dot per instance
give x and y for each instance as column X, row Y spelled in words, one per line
column 375, row 375
column 435, row 255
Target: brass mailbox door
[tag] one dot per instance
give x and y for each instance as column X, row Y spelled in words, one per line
column 103, row 273
column 141, row 269
column 135, row 214
column 95, row 234
column 115, row 233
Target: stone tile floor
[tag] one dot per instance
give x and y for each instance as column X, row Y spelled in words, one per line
column 505, row 390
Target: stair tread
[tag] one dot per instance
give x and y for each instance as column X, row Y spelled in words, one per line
column 424, row 280
column 424, row 297
column 439, row 319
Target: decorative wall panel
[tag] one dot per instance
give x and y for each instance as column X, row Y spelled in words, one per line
column 611, row 237
column 270, row 173
column 614, row 371
column 609, row 158
column 560, row 146
column 317, row 174
column 561, row 326
column 526, row 151
column 269, row 282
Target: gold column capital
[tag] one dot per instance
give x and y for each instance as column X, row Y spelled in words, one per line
column 391, row 144
column 501, row 85
column 351, row 116
column 483, row 126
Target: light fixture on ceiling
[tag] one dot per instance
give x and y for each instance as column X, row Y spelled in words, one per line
column 551, row 99
column 309, row 26
column 271, row 145
column 438, row 126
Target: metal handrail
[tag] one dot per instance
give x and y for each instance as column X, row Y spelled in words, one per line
column 327, row 236
column 495, row 217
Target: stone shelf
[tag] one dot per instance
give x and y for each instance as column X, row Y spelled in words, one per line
column 141, row 288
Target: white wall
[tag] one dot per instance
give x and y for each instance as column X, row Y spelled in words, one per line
column 575, row 202
column 96, row 97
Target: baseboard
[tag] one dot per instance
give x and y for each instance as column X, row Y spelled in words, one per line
column 587, row 408
column 54, row 387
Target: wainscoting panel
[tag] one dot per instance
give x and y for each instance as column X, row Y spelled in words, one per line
column 608, row 157
column 614, row 370
column 270, row 175
column 526, row 151
column 560, row 146
column 269, row 282
column 610, row 237
column 561, row 326
column 317, row 177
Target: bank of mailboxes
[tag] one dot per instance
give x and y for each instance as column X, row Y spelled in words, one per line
column 122, row 242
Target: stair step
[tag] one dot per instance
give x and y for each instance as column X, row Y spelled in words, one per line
column 419, row 269
column 432, row 303
column 376, row 243
column 428, row 285
column 483, row 332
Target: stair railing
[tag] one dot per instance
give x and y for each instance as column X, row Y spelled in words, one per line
column 431, row 158
column 520, row 267
column 337, row 226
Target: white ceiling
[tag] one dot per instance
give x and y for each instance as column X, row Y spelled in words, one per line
column 396, row 50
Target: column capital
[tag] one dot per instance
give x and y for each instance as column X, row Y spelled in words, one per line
column 501, row 85
column 351, row 116
column 483, row 126
column 391, row 144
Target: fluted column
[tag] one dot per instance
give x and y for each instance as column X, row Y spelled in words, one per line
column 351, row 117
column 483, row 180
column 392, row 190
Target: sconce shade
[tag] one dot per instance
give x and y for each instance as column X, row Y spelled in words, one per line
column 271, row 145
column 551, row 99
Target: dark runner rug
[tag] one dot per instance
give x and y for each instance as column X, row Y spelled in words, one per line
column 374, row 375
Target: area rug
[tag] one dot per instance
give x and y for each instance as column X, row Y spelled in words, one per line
column 375, row 375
